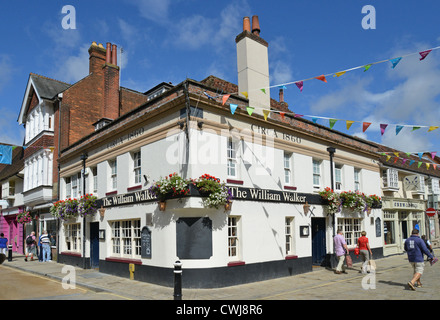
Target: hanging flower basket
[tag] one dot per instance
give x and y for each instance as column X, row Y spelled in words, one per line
column 213, row 192
column 24, row 217
column 72, row 208
column 355, row 201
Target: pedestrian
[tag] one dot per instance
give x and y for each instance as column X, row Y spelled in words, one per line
column 415, row 248
column 3, row 244
column 365, row 251
column 39, row 250
column 31, row 246
column 427, row 243
column 340, row 250
column 45, row 244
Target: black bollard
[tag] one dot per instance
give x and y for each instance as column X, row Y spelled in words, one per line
column 177, row 280
column 10, row 252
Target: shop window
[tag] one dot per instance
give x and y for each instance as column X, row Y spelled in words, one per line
column 72, row 236
column 351, row 228
column 126, row 238
column 389, row 232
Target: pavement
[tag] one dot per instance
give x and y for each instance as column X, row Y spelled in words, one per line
column 387, row 282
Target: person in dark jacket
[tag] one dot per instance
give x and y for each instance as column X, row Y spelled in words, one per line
column 415, row 247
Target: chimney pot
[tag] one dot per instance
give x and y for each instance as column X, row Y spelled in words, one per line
column 246, row 24
column 114, row 55
column 255, row 26
column 108, row 53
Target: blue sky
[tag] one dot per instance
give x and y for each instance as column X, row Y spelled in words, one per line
column 168, row 41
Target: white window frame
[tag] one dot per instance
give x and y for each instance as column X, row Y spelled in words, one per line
column 351, row 228
column 234, row 238
column 357, row 179
column 126, row 238
column 137, row 167
column 113, row 174
column 232, row 158
column 317, row 173
column 338, row 177
column 72, row 237
column 289, row 227
column 390, row 178
column 287, row 161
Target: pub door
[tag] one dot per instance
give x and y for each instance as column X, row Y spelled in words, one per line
column 318, row 241
column 94, row 245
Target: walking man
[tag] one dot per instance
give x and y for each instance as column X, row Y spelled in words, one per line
column 45, row 243
column 340, row 249
column 415, row 248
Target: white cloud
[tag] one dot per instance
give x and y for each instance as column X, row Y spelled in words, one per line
column 153, row 10
column 75, row 67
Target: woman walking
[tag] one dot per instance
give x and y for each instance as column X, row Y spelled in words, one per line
column 364, row 249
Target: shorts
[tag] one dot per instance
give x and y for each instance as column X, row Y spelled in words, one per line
column 418, row 267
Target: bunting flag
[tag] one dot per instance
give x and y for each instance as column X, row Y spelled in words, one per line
column 266, row 114
column 300, row 85
column 340, row 73
column 432, row 128
column 249, row 110
column 225, row 98
column 5, row 154
column 263, row 90
column 415, row 128
column 282, row 115
column 332, row 122
column 433, row 154
column 424, row 54
column 395, row 61
column 365, row 126
column 245, row 94
column 398, row 129
column 420, row 155
column 349, row 123
column 322, row 78
column 368, row 66
column 233, row 107
column 382, row 128
column 314, row 119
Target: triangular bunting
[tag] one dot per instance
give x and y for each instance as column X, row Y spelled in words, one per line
column 263, row 90
column 5, row 154
column 322, row 78
column 365, row 126
column 395, row 160
column 340, row 73
column 368, row 66
column 382, row 128
column 432, row 128
column 349, row 123
column 398, row 128
column 332, row 122
column 419, row 164
column 300, row 85
column 249, row 110
column 388, row 157
column 245, row 94
column 395, row 61
column 396, row 154
column 282, row 115
column 266, row 113
column 314, row 120
column 433, row 154
column 415, row 128
column 225, row 98
column 411, row 162
column 423, row 54
column 404, row 160
column 427, row 166
column 233, row 107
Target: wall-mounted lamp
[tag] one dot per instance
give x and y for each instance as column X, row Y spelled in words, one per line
column 200, row 124
column 101, row 211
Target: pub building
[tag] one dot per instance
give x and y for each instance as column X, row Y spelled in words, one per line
column 277, row 223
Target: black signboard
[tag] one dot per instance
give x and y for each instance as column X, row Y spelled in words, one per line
column 146, row 243
column 378, row 228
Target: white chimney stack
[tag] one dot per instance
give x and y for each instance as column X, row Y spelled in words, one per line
column 253, row 66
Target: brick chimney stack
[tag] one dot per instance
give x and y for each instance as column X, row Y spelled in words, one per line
column 97, row 56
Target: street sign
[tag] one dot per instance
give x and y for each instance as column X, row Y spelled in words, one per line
column 431, row 212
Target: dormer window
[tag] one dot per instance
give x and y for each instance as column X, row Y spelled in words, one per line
column 102, row 123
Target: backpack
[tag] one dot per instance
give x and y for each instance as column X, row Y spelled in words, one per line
column 29, row 240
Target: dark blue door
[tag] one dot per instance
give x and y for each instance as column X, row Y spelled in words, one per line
column 94, row 245
column 318, row 240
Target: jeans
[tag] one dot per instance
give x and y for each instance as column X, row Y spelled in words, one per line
column 366, row 259
column 46, row 252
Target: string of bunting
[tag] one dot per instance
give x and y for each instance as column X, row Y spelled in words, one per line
column 332, row 121
column 409, row 161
